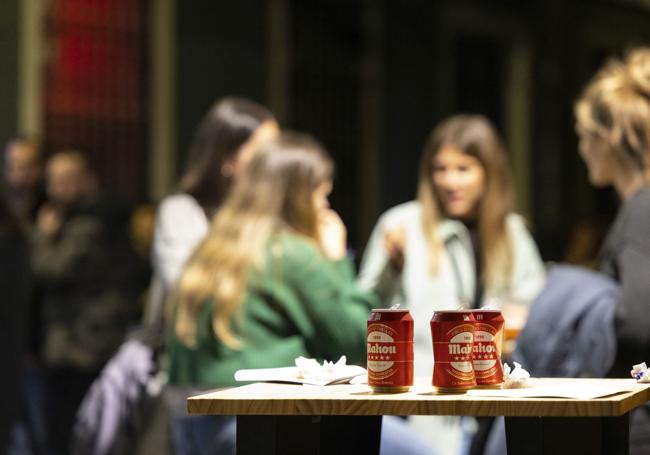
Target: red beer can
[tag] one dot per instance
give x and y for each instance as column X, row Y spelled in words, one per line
column 488, row 339
column 390, row 351
column 453, row 340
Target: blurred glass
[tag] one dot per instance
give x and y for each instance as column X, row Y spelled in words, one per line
column 515, row 313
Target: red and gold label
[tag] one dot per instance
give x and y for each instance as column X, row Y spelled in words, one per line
column 453, row 342
column 488, row 336
column 390, row 350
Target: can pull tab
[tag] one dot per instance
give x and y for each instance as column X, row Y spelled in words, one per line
column 395, row 307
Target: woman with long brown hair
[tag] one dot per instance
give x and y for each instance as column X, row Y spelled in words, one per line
column 613, row 126
column 458, row 244
column 223, row 142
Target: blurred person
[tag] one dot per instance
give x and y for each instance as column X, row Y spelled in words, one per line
column 15, row 285
column 270, row 282
column 613, row 126
column 82, row 269
column 223, row 141
column 458, row 245
column 23, row 176
column 24, row 192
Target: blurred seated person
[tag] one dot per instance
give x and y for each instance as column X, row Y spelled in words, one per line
column 270, row 282
column 459, row 244
column 23, row 177
column 223, row 141
column 82, row 269
column 612, row 121
column 613, row 127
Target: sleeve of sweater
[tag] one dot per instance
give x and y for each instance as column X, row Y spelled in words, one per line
column 180, row 226
column 337, row 307
column 376, row 273
column 528, row 272
column 632, row 316
column 632, row 262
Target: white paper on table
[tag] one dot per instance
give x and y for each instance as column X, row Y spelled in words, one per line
column 343, row 374
column 579, row 391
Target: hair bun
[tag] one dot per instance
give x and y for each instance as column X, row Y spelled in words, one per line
column 638, row 69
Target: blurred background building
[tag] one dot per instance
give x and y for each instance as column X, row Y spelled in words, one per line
column 127, row 81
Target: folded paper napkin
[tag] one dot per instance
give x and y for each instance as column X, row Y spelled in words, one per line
column 306, row 371
column 516, row 378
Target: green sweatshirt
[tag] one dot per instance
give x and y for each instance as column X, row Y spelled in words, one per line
column 299, row 304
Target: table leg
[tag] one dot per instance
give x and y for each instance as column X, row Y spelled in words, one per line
column 305, row 435
column 568, row 435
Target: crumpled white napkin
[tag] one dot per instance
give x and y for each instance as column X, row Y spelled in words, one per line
column 641, row 373
column 311, row 370
column 516, row 378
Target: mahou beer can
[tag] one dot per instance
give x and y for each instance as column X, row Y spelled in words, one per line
column 390, row 351
column 488, row 338
column 453, row 340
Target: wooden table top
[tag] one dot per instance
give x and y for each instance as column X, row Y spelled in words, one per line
column 358, row 400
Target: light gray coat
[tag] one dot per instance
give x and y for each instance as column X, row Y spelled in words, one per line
column 453, row 285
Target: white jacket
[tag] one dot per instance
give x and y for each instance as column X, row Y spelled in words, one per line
column 423, row 293
column 181, row 224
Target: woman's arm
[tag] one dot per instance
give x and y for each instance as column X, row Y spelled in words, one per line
column 376, row 272
column 528, row 273
column 336, row 307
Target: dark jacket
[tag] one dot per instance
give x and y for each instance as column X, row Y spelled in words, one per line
column 570, row 328
column 626, row 258
column 86, row 307
column 569, row 333
column 14, row 289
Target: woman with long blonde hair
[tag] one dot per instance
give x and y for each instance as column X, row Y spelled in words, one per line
column 613, row 126
column 458, row 244
column 274, row 240
column 271, row 282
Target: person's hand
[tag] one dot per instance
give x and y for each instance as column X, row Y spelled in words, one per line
column 332, row 234
column 50, row 219
column 395, row 243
